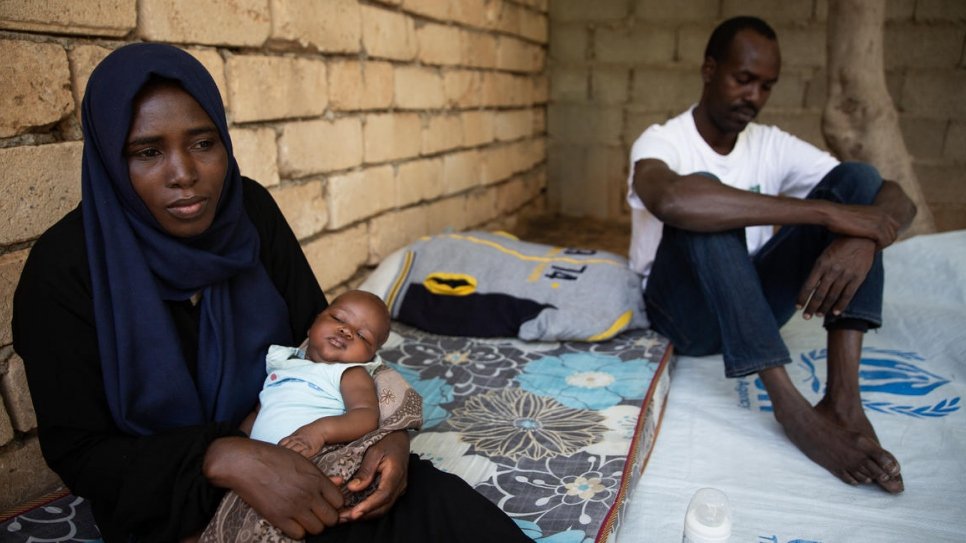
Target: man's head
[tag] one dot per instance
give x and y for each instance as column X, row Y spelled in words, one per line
column 724, row 33
column 350, row 330
column 741, row 64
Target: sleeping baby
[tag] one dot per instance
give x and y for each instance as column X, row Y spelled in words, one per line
column 328, row 400
column 324, row 393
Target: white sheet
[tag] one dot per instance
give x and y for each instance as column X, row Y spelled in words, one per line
column 716, row 433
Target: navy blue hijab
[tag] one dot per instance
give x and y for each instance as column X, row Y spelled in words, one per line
column 136, row 267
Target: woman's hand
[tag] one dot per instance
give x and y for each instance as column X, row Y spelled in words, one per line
column 283, row 487
column 389, row 459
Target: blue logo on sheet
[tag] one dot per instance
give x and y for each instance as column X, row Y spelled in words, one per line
column 776, row 539
column 891, row 381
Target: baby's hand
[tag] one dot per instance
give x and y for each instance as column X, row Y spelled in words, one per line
column 301, row 445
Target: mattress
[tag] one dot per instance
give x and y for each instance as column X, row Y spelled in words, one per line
column 721, row 433
column 58, row 516
column 554, row 433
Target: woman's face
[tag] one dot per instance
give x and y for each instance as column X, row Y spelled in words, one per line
column 176, row 159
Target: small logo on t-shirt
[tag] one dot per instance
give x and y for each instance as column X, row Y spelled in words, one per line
column 755, row 188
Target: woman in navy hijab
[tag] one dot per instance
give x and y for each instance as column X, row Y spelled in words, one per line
column 143, row 317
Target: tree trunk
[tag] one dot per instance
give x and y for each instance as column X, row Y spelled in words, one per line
column 860, row 121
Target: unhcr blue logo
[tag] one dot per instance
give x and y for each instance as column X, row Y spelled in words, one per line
column 776, row 539
column 891, row 382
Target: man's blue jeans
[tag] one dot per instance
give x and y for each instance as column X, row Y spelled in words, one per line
column 708, row 295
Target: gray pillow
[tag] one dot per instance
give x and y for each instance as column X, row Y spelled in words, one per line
column 490, row 284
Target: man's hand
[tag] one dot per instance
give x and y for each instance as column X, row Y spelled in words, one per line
column 389, row 458
column 837, row 274
column 870, row 222
column 284, row 488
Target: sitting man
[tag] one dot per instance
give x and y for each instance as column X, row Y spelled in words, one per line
column 719, row 279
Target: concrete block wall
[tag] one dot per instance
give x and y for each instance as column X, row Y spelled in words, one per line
column 618, row 66
column 371, row 122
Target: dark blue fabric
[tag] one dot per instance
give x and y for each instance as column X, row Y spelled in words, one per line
column 136, row 267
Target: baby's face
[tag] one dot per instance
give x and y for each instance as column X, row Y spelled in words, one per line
column 350, row 330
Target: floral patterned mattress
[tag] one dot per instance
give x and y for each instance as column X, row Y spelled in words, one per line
column 556, row 434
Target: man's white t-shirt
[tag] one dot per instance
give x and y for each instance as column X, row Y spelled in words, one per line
column 765, row 159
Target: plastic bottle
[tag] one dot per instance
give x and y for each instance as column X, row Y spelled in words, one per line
column 708, row 519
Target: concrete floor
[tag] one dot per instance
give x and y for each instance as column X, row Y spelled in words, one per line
column 612, row 235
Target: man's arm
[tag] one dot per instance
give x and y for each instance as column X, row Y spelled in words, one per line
column 896, row 203
column 842, row 267
column 699, row 203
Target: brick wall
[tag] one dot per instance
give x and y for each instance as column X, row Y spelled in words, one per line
column 372, row 124
column 617, row 66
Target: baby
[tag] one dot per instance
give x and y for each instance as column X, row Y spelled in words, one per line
column 319, row 395
column 325, row 394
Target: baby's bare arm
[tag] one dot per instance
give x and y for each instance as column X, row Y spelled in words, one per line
column 249, row 420
column 361, row 417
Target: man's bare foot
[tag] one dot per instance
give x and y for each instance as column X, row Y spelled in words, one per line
column 850, row 455
column 840, row 440
column 842, row 404
column 854, row 419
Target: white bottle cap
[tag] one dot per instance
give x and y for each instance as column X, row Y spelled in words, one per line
column 708, row 519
